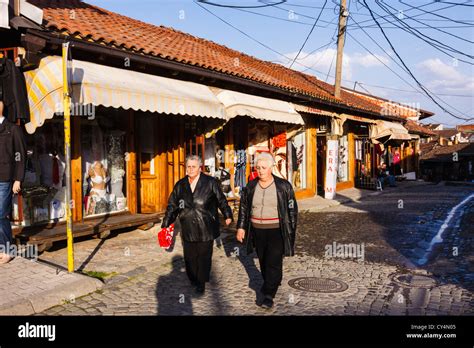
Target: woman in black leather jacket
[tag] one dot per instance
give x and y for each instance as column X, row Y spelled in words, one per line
column 195, row 199
column 267, row 222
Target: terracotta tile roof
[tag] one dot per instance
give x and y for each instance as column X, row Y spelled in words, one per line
column 446, row 133
column 467, row 128
column 94, row 24
column 417, row 128
column 434, row 152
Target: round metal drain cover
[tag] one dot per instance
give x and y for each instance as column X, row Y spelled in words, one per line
column 314, row 284
column 414, row 280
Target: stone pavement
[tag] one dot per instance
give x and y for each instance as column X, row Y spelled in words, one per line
column 163, row 289
column 139, row 278
column 29, row 287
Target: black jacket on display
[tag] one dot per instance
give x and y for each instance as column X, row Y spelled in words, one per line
column 12, row 152
column 197, row 211
column 13, row 92
column 287, row 213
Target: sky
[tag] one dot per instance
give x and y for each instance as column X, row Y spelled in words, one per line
column 434, row 39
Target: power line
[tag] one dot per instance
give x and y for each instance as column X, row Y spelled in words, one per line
column 213, row 3
column 409, row 71
column 411, row 9
column 309, row 34
column 448, row 2
column 278, row 18
column 411, row 91
column 400, row 67
column 423, row 36
column 330, row 66
column 280, row 54
column 429, row 26
column 240, row 31
column 441, row 16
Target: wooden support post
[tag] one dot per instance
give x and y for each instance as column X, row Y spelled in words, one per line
column 76, row 170
column 131, row 165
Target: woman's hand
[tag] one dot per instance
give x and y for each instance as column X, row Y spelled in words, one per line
column 240, row 235
column 228, row 221
column 16, row 187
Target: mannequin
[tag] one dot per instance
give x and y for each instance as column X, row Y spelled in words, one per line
column 99, row 179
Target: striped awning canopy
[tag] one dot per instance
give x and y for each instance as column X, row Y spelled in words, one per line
column 112, row 87
column 241, row 104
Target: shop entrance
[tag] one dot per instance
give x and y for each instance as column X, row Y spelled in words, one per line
column 147, row 163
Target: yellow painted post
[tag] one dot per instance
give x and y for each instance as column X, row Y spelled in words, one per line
column 67, row 152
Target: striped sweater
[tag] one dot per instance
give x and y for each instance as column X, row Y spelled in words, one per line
column 264, row 208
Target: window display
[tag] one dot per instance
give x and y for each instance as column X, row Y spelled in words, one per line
column 103, row 163
column 297, row 149
column 43, row 190
column 343, row 164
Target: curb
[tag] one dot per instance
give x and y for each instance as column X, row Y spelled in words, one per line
column 38, row 302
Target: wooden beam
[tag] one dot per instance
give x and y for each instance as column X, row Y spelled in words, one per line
column 131, row 166
column 76, row 169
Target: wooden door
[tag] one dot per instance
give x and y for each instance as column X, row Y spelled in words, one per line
column 147, row 163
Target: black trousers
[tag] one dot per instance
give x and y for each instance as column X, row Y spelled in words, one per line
column 270, row 250
column 198, row 259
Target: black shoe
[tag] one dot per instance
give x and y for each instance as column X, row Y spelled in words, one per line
column 267, row 303
column 200, row 289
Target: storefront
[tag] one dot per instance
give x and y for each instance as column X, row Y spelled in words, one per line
column 130, row 135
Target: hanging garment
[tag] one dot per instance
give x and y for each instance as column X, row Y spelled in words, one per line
column 240, row 168
column 55, row 170
column 294, row 157
column 13, row 92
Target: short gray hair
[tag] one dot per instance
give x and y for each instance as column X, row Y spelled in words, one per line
column 265, row 156
column 193, row 158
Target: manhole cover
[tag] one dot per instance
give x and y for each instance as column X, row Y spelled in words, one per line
column 414, row 280
column 314, row 284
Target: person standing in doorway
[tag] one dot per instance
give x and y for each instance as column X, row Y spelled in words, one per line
column 12, row 173
column 195, row 199
column 267, row 221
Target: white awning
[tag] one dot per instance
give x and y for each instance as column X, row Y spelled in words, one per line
column 112, row 87
column 241, row 104
column 315, row 111
column 394, row 131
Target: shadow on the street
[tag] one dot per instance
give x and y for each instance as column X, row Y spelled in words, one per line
column 173, row 292
column 396, row 227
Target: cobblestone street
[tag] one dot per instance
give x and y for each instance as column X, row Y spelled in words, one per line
column 392, row 231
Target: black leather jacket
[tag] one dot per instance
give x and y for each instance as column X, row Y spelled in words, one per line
column 287, row 213
column 197, row 212
column 12, row 152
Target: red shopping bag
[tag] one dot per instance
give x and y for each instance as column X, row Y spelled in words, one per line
column 165, row 236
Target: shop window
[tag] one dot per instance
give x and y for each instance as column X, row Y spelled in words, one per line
column 43, row 190
column 297, row 149
column 343, row 162
column 103, row 165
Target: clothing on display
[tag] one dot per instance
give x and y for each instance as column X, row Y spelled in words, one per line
column 240, row 168
column 223, row 175
column 13, row 92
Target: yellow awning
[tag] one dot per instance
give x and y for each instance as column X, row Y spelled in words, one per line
column 241, row 104
column 112, row 87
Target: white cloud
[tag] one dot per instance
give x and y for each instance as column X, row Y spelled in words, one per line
column 447, row 78
column 322, row 60
column 368, row 60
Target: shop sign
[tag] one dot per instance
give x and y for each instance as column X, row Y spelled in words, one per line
column 331, row 169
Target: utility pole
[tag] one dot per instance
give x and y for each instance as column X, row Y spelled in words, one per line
column 343, row 14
